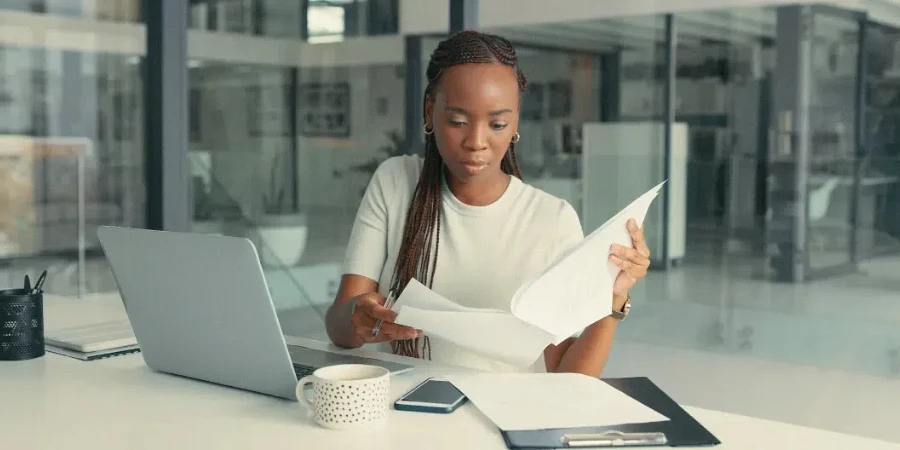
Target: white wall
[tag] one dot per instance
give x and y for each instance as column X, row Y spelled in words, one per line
column 424, row 16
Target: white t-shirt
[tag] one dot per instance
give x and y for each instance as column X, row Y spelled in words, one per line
column 485, row 253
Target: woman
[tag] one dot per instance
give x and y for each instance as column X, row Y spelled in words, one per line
column 462, row 222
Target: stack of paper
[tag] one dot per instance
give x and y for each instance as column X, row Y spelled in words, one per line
column 572, row 293
column 543, row 401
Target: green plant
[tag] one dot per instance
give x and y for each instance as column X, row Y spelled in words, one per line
column 396, row 146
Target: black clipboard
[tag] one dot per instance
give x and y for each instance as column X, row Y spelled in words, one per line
column 681, row 430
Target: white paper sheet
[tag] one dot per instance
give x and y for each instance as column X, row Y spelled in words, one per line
column 580, row 288
column 473, row 329
column 417, row 295
column 551, row 400
column 572, row 293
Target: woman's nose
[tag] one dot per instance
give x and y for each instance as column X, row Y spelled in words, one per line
column 476, row 140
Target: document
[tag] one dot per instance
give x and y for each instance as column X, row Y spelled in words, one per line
column 572, row 293
column 581, row 281
column 538, row 401
column 473, row 329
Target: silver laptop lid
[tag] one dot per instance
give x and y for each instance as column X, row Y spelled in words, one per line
column 200, row 307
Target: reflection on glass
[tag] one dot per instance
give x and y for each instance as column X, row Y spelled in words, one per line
column 111, row 11
column 723, row 88
column 71, row 159
column 832, row 140
column 316, row 21
column 282, row 155
column 878, row 223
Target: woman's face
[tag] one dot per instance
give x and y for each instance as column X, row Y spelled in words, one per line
column 475, row 114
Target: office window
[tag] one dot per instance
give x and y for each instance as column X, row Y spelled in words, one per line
column 717, row 325
column 281, row 152
column 316, row 21
column 71, row 140
column 878, row 219
column 100, row 10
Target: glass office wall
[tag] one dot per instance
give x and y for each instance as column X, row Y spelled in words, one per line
column 562, row 96
column 723, row 86
column 102, row 10
column 71, row 139
column 592, row 120
column 832, row 139
column 878, row 223
column 721, row 317
column 284, row 138
column 315, row 21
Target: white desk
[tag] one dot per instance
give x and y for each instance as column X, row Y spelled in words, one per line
column 56, row 402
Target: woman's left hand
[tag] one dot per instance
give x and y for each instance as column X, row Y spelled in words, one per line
column 634, row 261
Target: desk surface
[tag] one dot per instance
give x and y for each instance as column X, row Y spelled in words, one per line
column 56, row 402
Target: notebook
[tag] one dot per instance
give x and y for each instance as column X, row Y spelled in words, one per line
column 94, row 341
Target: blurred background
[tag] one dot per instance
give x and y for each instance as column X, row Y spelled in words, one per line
column 776, row 284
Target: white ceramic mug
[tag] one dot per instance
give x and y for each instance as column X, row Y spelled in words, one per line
column 348, row 396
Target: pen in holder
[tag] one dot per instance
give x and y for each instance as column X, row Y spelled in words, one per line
column 21, row 324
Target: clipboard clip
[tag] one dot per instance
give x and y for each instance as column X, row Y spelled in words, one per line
column 613, row 439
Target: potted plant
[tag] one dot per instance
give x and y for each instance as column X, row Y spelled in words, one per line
column 395, row 147
column 281, row 232
column 204, row 212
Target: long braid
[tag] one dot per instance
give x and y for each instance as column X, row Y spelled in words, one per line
column 422, row 232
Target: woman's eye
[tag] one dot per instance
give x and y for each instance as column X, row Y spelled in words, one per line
column 498, row 126
column 457, row 123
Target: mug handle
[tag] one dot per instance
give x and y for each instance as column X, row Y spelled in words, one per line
column 298, row 391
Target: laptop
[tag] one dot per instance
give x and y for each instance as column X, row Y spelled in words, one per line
column 200, row 307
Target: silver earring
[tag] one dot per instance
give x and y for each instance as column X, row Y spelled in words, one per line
column 516, row 137
column 429, row 131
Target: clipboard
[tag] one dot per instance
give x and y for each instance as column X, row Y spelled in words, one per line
column 680, row 430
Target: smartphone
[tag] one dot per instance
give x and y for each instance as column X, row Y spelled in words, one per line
column 433, row 396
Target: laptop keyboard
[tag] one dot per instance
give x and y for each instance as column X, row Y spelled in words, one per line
column 302, row 370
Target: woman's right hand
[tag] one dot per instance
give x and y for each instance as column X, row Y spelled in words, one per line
column 368, row 308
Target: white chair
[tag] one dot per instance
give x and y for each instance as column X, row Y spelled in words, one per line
column 818, row 203
column 820, row 199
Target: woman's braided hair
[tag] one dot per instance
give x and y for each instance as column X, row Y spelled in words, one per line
column 423, row 221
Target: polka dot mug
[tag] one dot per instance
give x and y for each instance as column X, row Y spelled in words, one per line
column 348, row 396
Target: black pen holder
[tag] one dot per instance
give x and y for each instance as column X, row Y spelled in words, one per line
column 21, row 324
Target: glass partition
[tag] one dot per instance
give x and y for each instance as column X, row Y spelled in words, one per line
column 719, row 321
column 71, row 139
column 878, row 220
column 723, row 89
column 282, row 151
column 832, row 140
column 314, row 21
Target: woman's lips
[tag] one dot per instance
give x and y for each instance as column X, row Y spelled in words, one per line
column 474, row 167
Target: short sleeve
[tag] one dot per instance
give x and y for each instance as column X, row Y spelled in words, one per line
column 367, row 248
column 569, row 232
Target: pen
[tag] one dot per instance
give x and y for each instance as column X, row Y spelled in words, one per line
column 388, row 304
column 40, row 281
column 27, row 283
